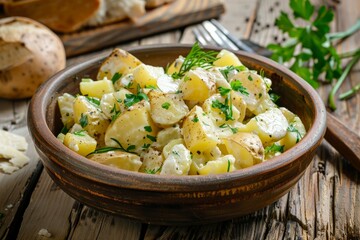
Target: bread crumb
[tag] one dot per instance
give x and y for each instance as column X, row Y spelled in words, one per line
column 44, row 232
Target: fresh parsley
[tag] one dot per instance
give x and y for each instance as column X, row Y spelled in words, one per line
column 310, row 50
column 165, row 105
column 233, row 129
column 131, row 99
column 197, row 57
column 274, row 148
column 116, row 77
column 225, row 107
column 237, row 86
column 292, row 128
column 228, row 69
column 81, row 133
column 148, row 128
column 93, row 100
column 83, row 120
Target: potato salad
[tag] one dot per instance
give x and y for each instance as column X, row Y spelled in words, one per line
column 205, row 113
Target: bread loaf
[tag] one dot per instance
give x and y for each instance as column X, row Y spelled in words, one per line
column 67, row 16
column 29, row 54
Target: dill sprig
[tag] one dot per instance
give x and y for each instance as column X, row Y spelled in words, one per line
column 197, row 57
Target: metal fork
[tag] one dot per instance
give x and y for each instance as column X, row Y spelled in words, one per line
column 337, row 134
column 213, row 33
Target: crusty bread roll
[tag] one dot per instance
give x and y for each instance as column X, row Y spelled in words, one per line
column 156, row 3
column 71, row 15
column 29, row 54
column 58, row 15
column 116, row 10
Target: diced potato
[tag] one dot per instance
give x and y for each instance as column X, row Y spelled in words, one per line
column 80, row 142
column 254, row 85
column 96, row 88
column 118, row 159
column 178, row 161
column 133, row 129
column 167, row 84
column 270, row 126
column 199, row 131
column 227, row 58
column 239, row 103
column 222, row 165
column 197, row 85
column 66, row 102
column 120, row 62
column 167, row 108
column 246, row 148
column 152, row 161
column 166, row 135
column 91, row 118
column 112, row 104
column 168, row 147
column 219, row 117
column 175, row 66
column 264, row 104
column 295, row 132
column 146, row 75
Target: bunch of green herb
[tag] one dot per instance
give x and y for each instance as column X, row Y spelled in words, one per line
column 310, row 51
column 197, row 57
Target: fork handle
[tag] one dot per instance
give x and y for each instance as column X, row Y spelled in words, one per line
column 344, row 140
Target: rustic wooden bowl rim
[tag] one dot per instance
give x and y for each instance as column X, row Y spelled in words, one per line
column 46, row 141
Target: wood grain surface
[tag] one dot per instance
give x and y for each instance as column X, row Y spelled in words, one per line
column 325, row 204
column 170, row 16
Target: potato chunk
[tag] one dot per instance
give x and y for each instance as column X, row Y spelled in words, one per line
column 270, row 126
column 89, row 115
column 227, row 58
column 119, row 61
column 178, row 162
column 167, row 108
column 80, row 142
column 199, row 131
column 197, row 85
column 118, row 159
column 246, row 148
column 221, row 165
column 66, row 102
column 146, row 75
column 133, row 129
column 96, row 88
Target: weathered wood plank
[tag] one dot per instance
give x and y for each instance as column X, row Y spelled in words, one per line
column 14, row 187
column 170, row 16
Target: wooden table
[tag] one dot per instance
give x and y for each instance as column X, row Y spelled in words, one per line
column 325, row 204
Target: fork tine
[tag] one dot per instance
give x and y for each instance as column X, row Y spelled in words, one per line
column 219, row 38
column 199, row 37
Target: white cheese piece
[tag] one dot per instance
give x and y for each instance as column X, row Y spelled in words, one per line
column 45, row 233
column 7, row 167
column 14, row 156
column 13, row 140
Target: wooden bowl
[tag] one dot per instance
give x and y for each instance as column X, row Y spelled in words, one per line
column 168, row 200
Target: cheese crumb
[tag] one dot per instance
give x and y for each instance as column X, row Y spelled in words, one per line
column 44, row 232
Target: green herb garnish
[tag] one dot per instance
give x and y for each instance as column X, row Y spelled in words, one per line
column 116, row 77
column 274, row 148
column 165, row 105
column 93, row 100
column 131, row 99
column 225, row 107
column 237, row 86
column 148, row 128
column 196, row 58
column 81, row 133
column 315, row 54
column 228, row 69
column 83, row 120
column 292, row 128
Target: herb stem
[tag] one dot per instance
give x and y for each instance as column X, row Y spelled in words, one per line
column 350, row 93
column 348, row 54
column 340, row 81
column 339, row 35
